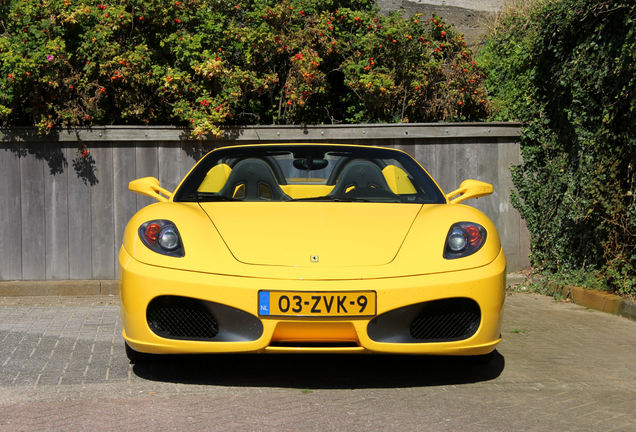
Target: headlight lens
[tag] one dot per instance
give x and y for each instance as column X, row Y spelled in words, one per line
column 463, row 239
column 168, row 238
column 457, row 240
column 162, row 237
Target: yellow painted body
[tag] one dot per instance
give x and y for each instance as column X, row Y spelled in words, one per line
column 141, row 283
column 235, row 249
column 276, row 240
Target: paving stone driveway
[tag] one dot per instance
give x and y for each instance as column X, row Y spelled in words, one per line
column 560, row 367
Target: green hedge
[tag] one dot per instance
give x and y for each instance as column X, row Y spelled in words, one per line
column 567, row 69
column 212, row 63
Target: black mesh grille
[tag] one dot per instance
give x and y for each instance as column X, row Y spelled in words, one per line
column 181, row 318
column 450, row 319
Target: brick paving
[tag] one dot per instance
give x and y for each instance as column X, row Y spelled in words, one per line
column 559, row 367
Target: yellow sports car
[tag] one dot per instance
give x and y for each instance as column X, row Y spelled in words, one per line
column 310, row 248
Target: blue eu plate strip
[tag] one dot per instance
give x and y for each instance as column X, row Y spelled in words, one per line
column 263, row 303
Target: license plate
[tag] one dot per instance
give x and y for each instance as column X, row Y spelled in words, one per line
column 324, row 304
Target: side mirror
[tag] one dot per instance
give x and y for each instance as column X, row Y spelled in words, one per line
column 469, row 189
column 150, row 186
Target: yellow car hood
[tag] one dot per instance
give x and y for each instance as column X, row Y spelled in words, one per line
column 277, row 240
column 306, row 233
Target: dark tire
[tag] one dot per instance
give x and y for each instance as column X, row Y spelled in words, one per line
column 137, row 357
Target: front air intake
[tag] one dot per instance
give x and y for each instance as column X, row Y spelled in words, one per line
column 446, row 320
column 175, row 317
column 185, row 318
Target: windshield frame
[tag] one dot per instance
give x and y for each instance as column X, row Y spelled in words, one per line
column 188, row 187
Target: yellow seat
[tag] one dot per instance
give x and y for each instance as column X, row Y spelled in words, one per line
column 215, row 179
column 398, row 180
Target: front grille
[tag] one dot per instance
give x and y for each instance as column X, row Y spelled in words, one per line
column 181, row 318
column 450, row 319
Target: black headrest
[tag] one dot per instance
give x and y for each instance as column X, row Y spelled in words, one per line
column 257, row 178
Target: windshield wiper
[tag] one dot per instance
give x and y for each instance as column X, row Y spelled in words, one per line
column 333, row 199
column 206, row 197
column 217, row 198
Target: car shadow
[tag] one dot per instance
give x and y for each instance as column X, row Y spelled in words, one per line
column 320, row 371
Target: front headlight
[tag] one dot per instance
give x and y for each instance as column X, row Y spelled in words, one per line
column 463, row 239
column 162, row 237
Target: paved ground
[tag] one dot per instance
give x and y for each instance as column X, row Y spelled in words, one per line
column 560, row 367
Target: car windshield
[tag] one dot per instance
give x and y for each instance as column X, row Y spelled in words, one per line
column 309, row 173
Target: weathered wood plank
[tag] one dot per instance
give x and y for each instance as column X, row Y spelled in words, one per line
column 33, row 221
column 488, row 171
column 427, row 157
column 124, row 201
column 146, row 165
column 187, row 162
column 169, row 165
column 510, row 221
column 405, row 147
column 445, row 167
column 467, row 160
column 102, row 215
column 57, row 218
column 80, row 253
column 291, row 133
column 10, row 215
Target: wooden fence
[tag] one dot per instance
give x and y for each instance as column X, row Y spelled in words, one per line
column 57, row 221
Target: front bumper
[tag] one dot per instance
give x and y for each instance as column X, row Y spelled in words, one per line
column 141, row 283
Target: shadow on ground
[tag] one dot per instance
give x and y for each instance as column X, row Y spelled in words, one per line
column 324, row 371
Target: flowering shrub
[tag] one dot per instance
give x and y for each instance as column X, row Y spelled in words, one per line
column 568, row 69
column 213, row 63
